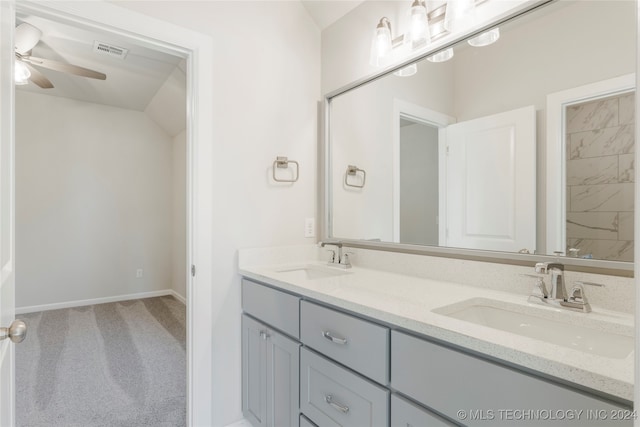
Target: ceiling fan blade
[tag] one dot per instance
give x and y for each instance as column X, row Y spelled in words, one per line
column 39, row 79
column 65, row 68
column 26, row 37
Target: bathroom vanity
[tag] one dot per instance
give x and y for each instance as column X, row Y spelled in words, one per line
column 359, row 347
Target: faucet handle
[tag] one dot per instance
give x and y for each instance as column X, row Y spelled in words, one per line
column 345, row 259
column 583, row 283
column 333, row 255
column 540, row 290
column 577, row 295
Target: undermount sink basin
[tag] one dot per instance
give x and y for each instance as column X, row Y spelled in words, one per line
column 599, row 338
column 312, row 272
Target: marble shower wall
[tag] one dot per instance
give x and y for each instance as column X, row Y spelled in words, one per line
column 600, row 177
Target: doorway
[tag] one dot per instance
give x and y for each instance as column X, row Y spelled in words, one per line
column 100, row 231
column 196, row 49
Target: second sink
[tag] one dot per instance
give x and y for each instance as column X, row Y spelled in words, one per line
column 543, row 325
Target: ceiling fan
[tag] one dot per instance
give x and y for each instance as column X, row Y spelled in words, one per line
column 26, row 37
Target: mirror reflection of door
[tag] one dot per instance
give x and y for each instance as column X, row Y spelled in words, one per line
column 600, row 144
column 418, row 163
column 491, row 182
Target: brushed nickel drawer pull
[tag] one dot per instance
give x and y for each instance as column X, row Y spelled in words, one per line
column 342, row 408
column 264, row 335
column 327, row 335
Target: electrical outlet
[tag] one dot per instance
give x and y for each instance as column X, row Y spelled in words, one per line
column 139, row 273
column 310, row 227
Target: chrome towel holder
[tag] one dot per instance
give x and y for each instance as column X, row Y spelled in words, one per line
column 353, row 171
column 282, row 162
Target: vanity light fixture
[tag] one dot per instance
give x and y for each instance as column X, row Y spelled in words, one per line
column 486, row 38
column 418, row 25
column 407, row 71
column 385, row 47
column 382, row 43
column 441, row 56
column 460, row 14
column 21, row 73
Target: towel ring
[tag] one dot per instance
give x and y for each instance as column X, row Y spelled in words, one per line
column 282, row 162
column 353, row 171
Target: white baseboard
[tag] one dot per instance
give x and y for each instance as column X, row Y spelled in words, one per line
column 241, row 423
column 80, row 303
column 179, row 297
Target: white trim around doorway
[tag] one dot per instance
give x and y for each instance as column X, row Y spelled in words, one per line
column 197, row 49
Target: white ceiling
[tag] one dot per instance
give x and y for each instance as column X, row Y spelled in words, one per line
column 131, row 82
column 326, row 12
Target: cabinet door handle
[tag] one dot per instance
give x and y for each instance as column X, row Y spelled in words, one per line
column 330, row 337
column 264, row 335
column 335, row 405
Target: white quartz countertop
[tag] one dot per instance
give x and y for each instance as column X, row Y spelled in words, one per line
column 407, row 302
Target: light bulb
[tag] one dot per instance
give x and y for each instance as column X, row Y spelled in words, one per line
column 460, row 14
column 445, row 55
column 418, row 25
column 21, row 73
column 486, row 38
column 382, row 44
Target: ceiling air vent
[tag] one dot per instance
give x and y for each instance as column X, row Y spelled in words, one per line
column 108, row 49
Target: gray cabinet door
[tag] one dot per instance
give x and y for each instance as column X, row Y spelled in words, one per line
column 270, row 376
column 476, row 392
column 407, row 414
column 332, row 396
column 283, row 380
column 361, row 345
column 254, row 371
column 275, row 308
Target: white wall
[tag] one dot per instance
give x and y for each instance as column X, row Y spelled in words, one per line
column 267, row 85
column 179, row 214
column 362, row 126
column 93, row 201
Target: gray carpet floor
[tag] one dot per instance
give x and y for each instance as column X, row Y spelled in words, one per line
column 118, row 364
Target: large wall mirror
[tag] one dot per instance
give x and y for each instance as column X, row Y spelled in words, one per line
column 522, row 146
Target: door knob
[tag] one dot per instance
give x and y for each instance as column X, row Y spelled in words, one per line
column 17, row 332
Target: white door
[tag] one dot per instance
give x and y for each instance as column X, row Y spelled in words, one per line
column 491, row 182
column 7, row 261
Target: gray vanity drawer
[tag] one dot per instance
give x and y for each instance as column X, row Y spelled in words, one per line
column 332, row 396
column 449, row 381
column 358, row 344
column 275, row 308
column 407, row 414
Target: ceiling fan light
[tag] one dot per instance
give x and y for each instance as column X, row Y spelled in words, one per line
column 21, row 73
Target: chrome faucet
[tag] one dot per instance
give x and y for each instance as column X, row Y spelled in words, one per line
column 337, row 258
column 556, row 270
column 576, row 300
